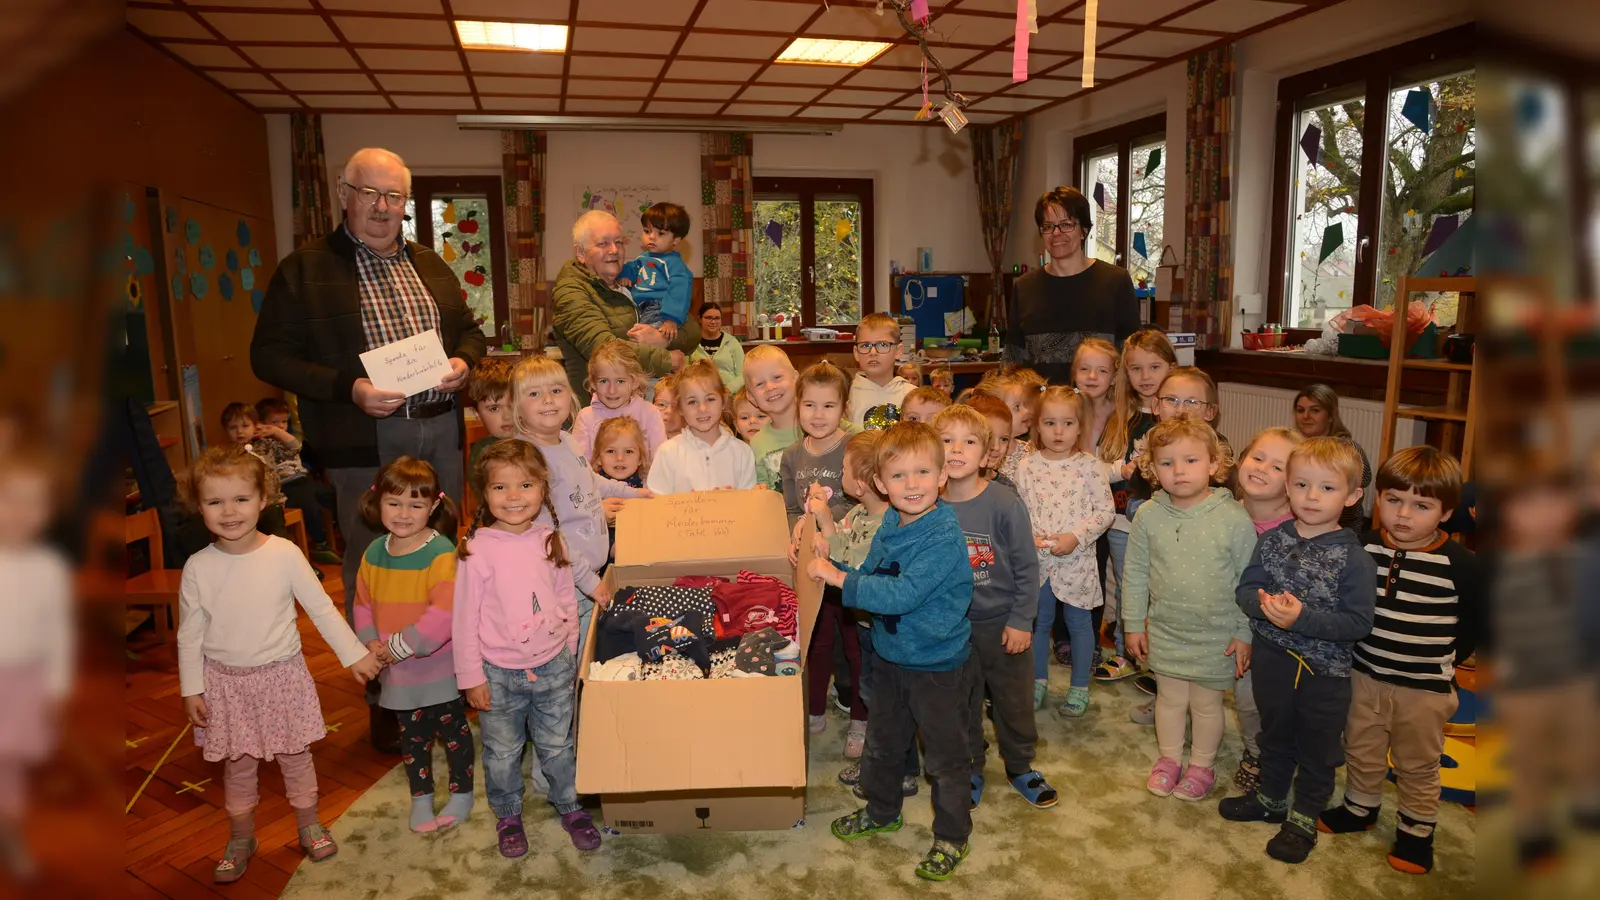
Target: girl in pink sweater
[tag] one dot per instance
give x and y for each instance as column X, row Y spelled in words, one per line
column 617, row 382
column 514, row 626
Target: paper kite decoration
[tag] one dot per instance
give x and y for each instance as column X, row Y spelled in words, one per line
column 1443, row 227
column 1332, row 239
column 1154, row 163
column 1139, row 245
column 842, row 230
column 1311, row 144
column 774, row 233
column 1100, row 194
column 1418, row 109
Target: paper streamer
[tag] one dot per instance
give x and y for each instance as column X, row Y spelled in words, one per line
column 1091, row 13
column 1033, row 16
column 1019, row 45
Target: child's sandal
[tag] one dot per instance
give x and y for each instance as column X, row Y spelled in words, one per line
column 317, row 843
column 235, row 859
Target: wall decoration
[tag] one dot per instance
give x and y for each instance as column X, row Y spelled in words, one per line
column 625, row 202
column 1139, row 245
column 208, row 257
column 244, row 233
column 129, row 208
column 225, row 286
column 232, row 260
column 1100, row 195
column 177, row 287
column 247, row 279
column 197, row 285
column 195, row 434
column 172, row 219
column 1154, row 163
column 774, row 233
column 191, row 233
column 1443, row 227
column 180, row 261
column 256, row 296
column 254, row 257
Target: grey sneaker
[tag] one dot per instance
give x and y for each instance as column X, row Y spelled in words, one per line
column 1144, row 714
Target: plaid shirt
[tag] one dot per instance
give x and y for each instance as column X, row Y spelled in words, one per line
column 395, row 304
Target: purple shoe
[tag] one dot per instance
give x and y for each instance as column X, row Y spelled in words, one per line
column 580, row 826
column 513, row 840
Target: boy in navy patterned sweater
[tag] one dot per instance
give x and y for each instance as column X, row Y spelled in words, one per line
column 1308, row 593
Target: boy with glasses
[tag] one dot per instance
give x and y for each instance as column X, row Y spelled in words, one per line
column 877, row 392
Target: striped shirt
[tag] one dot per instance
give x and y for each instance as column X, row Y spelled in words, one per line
column 1426, row 616
column 395, row 304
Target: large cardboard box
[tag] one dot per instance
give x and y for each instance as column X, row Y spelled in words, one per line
column 725, row 754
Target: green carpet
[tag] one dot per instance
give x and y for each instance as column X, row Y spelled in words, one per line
column 1108, row 837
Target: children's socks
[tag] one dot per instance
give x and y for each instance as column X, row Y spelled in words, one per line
column 422, row 820
column 456, row 810
column 242, row 827
column 305, row 816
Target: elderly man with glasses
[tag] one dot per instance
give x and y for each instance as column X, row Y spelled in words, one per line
column 591, row 308
column 355, row 289
column 1071, row 297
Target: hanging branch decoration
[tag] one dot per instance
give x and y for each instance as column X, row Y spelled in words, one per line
column 914, row 18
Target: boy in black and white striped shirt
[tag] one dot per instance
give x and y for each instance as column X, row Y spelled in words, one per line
column 1428, row 610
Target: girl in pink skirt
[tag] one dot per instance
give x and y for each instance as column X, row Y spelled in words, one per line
column 243, row 678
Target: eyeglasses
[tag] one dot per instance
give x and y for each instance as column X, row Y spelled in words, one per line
column 369, row 197
column 876, row 346
column 1058, row 227
column 1184, row 405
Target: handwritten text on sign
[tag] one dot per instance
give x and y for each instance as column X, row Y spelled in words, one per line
column 410, row 365
column 694, row 517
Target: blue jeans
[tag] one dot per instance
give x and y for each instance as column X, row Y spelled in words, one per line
column 585, row 613
column 1118, row 541
column 1080, row 631
column 521, row 710
column 1041, row 632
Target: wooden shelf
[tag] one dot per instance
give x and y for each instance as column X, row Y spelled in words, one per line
column 166, row 442
column 161, row 406
column 1439, row 364
column 1439, row 413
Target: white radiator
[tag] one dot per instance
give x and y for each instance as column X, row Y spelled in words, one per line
column 1248, row 408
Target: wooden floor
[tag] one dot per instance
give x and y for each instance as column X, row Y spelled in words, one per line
column 177, row 827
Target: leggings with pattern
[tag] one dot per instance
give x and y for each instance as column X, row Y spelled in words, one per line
column 418, row 727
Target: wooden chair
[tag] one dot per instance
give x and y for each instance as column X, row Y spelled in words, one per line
column 295, row 521
column 157, row 588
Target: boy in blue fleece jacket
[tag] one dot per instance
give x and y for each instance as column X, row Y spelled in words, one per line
column 658, row 278
column 917, row 584
column 1308, row 593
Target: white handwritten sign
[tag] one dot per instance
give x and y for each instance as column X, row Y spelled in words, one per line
column 410, row 366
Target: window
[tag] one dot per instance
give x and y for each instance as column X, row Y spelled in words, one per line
column 814, row 250
column 1123, row 172
column 464, row 225
column 1376, row 169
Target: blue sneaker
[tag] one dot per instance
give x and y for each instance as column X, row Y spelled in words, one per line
column 977, row 790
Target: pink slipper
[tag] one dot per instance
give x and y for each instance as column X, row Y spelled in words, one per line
column 1164, row 777
column 1196, row 784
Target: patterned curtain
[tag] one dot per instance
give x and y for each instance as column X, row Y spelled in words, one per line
column 529, row 304
column 1208, row 217
column 308, row 182
column 996, row 152
column 726, row 197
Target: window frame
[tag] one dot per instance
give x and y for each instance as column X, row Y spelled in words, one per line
column 1373, row 74
column 806, row 189
column 426, row 187
column 1122, row 138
